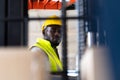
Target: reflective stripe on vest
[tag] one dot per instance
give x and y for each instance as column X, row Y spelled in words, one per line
column 55, row 62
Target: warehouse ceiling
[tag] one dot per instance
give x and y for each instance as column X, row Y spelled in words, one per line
column 49, row 4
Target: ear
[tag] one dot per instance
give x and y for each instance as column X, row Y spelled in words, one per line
column 43, row 32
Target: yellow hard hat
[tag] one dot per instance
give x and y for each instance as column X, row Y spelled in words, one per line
column 51, row 21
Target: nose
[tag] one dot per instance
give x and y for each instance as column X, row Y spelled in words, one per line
column 57, row 33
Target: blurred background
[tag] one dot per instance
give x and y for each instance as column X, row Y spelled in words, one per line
column 91, row 28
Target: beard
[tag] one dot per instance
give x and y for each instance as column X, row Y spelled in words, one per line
column 54, row 44
column 54, row 41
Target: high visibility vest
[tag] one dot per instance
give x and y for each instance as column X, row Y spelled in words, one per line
column 55, row 63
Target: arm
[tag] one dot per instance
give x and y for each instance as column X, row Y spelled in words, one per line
column 39, row 63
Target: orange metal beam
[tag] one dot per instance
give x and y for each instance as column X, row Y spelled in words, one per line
column 47, row 4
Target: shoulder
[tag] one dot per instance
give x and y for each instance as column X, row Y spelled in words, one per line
column 37, row 50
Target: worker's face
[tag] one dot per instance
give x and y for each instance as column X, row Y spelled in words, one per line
column 53, row 34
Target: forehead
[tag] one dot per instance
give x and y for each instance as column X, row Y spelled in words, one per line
column 54, row 27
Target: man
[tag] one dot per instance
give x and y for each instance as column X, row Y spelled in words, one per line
column 51, row 30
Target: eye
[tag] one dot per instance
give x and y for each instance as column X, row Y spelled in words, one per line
column 53, row 30
column 59, row 31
